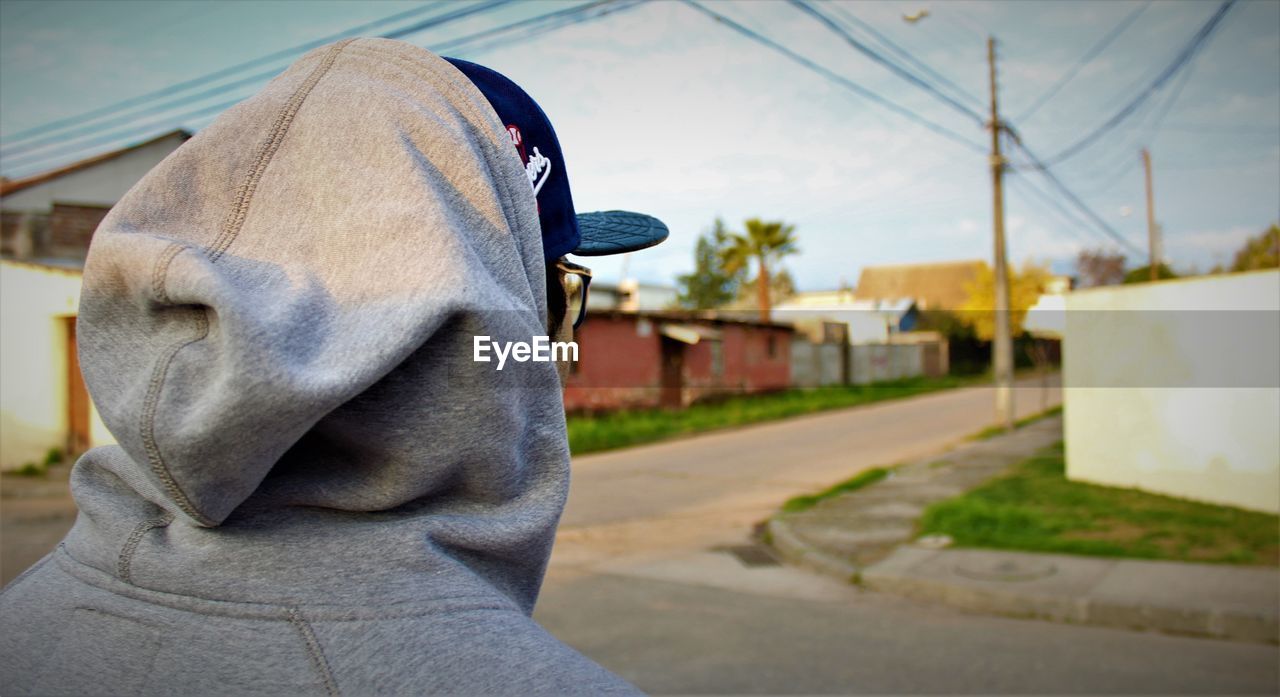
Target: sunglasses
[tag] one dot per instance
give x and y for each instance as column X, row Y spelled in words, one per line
column 576, row 281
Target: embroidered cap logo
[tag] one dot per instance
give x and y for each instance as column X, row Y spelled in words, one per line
column 536, row 167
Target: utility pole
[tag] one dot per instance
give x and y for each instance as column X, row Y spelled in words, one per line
column 1003, row 346
column 1153, row 230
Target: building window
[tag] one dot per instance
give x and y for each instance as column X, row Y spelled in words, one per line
column 772, row 345
column 717, row 358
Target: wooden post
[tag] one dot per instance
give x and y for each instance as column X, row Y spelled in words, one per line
column 1003, row 345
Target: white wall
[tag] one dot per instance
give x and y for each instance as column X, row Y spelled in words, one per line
column 1174, row 387
column 103, row 183
column 33, row 359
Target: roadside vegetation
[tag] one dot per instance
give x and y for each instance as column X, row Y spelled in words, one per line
column 1035, row 508
column 52, row 457
column 992, row 431
column 592, row 433
column 858, row 481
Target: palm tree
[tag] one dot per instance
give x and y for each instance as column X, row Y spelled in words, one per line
column 766, row 242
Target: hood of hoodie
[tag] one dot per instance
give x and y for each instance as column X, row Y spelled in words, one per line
column 277, row 324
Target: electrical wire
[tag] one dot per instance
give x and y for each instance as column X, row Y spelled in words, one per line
column 835, row 77
column 882, row 60
column 159, row 124
column 1071, row 196
column 1074, row 224
column 563, row 18
column 225, row 72
column 1196, row 43
column 1083, row 61
column 1149, row 131
column 903, row 54
column 181, row 101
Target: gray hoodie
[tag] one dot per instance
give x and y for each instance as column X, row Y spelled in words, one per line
column 316, row 490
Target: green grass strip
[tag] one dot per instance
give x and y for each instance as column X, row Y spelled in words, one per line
column 593, row 433
column 992, row 431
column 1036, row 508
column 864, row 478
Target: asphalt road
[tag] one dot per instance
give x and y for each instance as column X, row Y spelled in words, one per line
column 639, row 581
column 643, row 579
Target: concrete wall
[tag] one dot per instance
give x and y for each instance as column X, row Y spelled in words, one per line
column 818, row 364
column 815, row 364
column 1174, row 388
column 34, row 301
column 880, row 362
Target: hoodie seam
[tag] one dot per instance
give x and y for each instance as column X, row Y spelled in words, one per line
column 124, row 563
column 231, row 228
column 149, row 407
column 314, row 651
column 266, row 152
column 245, row 609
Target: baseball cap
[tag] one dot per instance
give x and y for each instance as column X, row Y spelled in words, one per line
column 564, row 231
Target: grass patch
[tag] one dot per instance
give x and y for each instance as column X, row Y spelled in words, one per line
column 1035, row 508
column 992, row 431
column 31, row 469
column 864, row 478
column 592, row 433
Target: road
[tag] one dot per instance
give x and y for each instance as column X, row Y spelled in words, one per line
column 638, row 583
column 641, row 579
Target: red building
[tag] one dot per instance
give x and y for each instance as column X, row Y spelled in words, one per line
column 671, row 359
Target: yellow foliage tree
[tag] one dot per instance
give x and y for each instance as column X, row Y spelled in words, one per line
column 1025, row 288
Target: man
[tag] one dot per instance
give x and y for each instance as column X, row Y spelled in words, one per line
column 317, row 489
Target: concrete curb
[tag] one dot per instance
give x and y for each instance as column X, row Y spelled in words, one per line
column 895, row 576
column 795, row 551
column 852, row 537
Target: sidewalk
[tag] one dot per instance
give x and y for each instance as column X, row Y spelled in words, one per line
column 866, row 536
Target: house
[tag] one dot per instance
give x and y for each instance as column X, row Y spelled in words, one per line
column 672, row 358
column 630, row 295
column 54, row 214
column 866, row 321
column 46, row 224
column 933, row 286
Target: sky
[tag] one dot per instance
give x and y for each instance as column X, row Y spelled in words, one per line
column 662, row 110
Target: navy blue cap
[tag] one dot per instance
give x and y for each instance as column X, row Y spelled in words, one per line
column 563, row 230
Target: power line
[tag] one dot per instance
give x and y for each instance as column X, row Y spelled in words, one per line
column 1070, row 196
column 1150, row 129
column 843, row 81
column 559, row 19
column 1074, row 224
column 893, row 67
column 903, row 54
column 432, row 22
column 225, row 72
column 1188, row 52
column 169, row 121
column 1083, row 61
column 918, row 81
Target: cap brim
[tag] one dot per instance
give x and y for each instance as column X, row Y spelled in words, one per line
column 617, row 232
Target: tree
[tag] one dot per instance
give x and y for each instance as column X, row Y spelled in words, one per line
column 709, row 285
column 1261, row 252
column 781, row 287
column 766, row 243
column 1095, row 267
column 1025, row 287
column 1142, row 274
